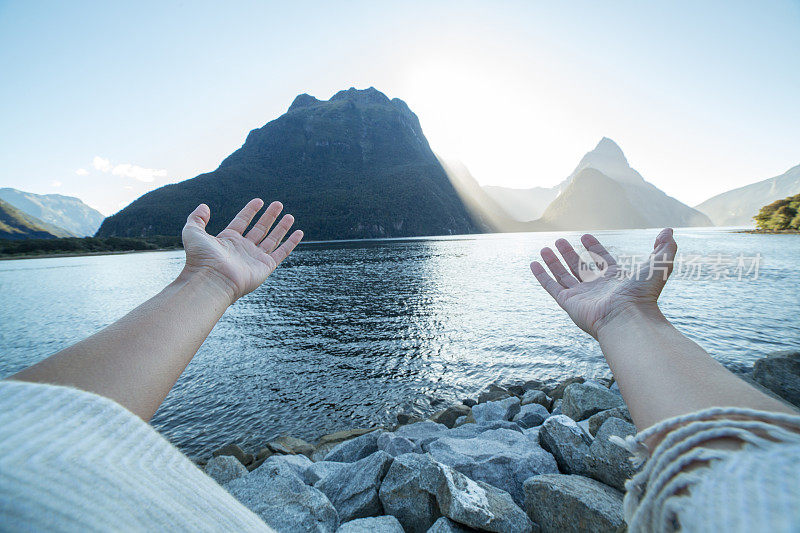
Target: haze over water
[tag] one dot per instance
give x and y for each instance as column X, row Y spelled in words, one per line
column 347, row 334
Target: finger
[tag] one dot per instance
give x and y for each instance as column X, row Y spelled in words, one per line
column 566, row 279
column 199, row 217
column 548, row 283
column 286, row 248
column 664, row 238
column 260, row 228
column 593, row 246
column 242, row 220
column 571, row 257
column 277, row 233
column 664, row 251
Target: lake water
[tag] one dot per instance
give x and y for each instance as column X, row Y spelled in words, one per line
column 347, row 334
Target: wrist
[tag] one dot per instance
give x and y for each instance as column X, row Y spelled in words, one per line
column 632, row 315
column 211, row 283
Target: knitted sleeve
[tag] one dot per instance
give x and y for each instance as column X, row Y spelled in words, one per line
column 74, row 461
column 751, row 483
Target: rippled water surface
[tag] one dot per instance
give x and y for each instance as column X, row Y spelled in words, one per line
column 347, row 334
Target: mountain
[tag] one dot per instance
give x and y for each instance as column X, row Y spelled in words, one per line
column 522, row 204
column 66, row 212
column 737, row 207
column 592, row 200
column 604, row 192
column 355, row 166
column 14, row 224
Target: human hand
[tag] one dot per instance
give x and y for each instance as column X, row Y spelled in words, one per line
column 238, row 262
column 592, row 299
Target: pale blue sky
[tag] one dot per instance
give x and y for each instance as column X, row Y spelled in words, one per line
column 701, row 96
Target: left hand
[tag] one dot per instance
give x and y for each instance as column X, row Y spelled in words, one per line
column 240, row 261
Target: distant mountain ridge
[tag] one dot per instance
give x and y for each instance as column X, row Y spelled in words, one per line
column 67, row 212
column 14, row 224
column 355, row 166
column 737, row 207
column 603, row 192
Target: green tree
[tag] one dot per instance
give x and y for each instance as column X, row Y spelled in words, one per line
column 780, row 215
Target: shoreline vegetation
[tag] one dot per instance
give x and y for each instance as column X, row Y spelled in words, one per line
column 539, row 456
column 80, row 246
column 770, row 231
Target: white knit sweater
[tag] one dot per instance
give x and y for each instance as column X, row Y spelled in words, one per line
column 751, row 485
column 74, row 461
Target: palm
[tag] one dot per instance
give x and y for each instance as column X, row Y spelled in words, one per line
column 242, row 261
column 591, row 298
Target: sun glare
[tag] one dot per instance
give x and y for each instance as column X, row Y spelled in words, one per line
column 492, row 116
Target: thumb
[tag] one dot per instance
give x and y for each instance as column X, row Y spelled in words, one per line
column 199, row 217
column 665, row 246
column 663, row 256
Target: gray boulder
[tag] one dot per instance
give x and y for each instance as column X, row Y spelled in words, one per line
column 499, row 457
column 449, row 416
column 421, row 433
column 609, row 462
column 353, row 490
column 460, row 421
column 582, row 400
column 298, row 463
column 355, row 449
column 404, row 419
column 474, row 503
column 493, row 393
column 445, row 525
column 235, row 451
column 597, row 419
column 320, row 470
column 327, row 442
column 568, row 443
column 780, row 373
column 568, row 503
column 395, row 445
column 470, row 431
column 487, row 412
column 376, row 524
column 403, row 496
column 520, row 388
column 536, row 396
column 556, row 410
column 531, row 415
column 469, row 402
column 290, row 445
column 225, row 468
column 558, row 391
column 283, row 501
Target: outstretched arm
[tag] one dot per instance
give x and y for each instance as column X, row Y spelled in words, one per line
column 661, row 373
column 137, row 359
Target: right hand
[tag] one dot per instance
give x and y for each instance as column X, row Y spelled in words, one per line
column 592, row 299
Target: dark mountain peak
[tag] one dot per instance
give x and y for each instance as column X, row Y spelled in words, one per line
column 361, row 96
column 303, row 100
column 357, row 165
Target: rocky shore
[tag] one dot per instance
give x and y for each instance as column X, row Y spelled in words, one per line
column 521, row 457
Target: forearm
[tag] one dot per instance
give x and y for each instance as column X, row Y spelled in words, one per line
column 661, row 373
column 137, row 359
